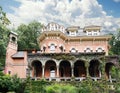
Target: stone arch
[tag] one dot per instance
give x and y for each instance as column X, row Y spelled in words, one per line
column 79, row 69
column 50, row 69
column 65, row 69
column 94, row 68
column 108, row 67
column 36, row 68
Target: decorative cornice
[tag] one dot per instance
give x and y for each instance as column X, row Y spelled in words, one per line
column 72, row 38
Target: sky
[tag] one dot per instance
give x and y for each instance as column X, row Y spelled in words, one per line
column 105, row 13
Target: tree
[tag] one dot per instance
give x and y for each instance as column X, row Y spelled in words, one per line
column 3, row 19
column 115, row 43
column 3, row 35
column 28, row 35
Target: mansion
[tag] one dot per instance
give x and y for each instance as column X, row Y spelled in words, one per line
column 64, row 53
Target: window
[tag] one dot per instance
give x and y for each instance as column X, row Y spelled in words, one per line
column 52, row 47
column 67, row 32
column 89, row 33
column 52, row 28
column 52, row 71
column 99, row 50
column 88, row 50
column 44, row 48
column 9, row 72
column 72, row 33
column 95, row 34
column 61, row 48
column 13, row 39
column 73, row 50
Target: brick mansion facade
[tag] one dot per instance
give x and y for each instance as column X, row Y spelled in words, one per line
column 64, row 53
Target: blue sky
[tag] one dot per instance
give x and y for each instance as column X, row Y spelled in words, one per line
column 6, row 4
column 111, row 7
column 66, row 12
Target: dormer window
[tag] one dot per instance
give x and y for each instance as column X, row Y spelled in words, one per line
column 72, row 33
column 95, row 33
column 52, row 28
column 92, row 33
column 89, row 33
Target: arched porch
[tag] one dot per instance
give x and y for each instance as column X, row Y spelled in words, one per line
column 50, row 69
column 94, row 69
column 36, row 68
column 108, row 69
column 65, row 69
column 79, row 69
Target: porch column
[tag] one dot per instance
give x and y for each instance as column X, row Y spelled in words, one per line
column 57, row 71
column 33, row 72
column 100, row 74
column 30, row 73
column 87, row 69
column 72, row 69
column 43, row 71
column 58, row 79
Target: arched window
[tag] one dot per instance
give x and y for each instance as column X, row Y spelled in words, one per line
column 88, row 50
column 99, row 49
column 52, row 47
column 13, row 39
column 73, row 50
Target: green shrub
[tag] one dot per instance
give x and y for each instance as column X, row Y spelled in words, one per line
column 61, row 88
column 14, row 83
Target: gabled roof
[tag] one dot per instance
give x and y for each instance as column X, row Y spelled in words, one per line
column 13, row 33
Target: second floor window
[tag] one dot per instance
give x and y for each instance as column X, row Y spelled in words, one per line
column 73, row 50
column 88, row 50
column 99, row 50
column 52, row 47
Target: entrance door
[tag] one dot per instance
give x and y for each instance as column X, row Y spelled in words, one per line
column 52, row 73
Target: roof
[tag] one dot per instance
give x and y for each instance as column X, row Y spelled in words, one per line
column 19, row 54
column 13, row 33
column 92, row 27
column 73, row 28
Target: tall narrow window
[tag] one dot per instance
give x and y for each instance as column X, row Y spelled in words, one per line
column 61, row 48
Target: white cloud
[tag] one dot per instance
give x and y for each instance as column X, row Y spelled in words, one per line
column 65, row 12
column 116, row 0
